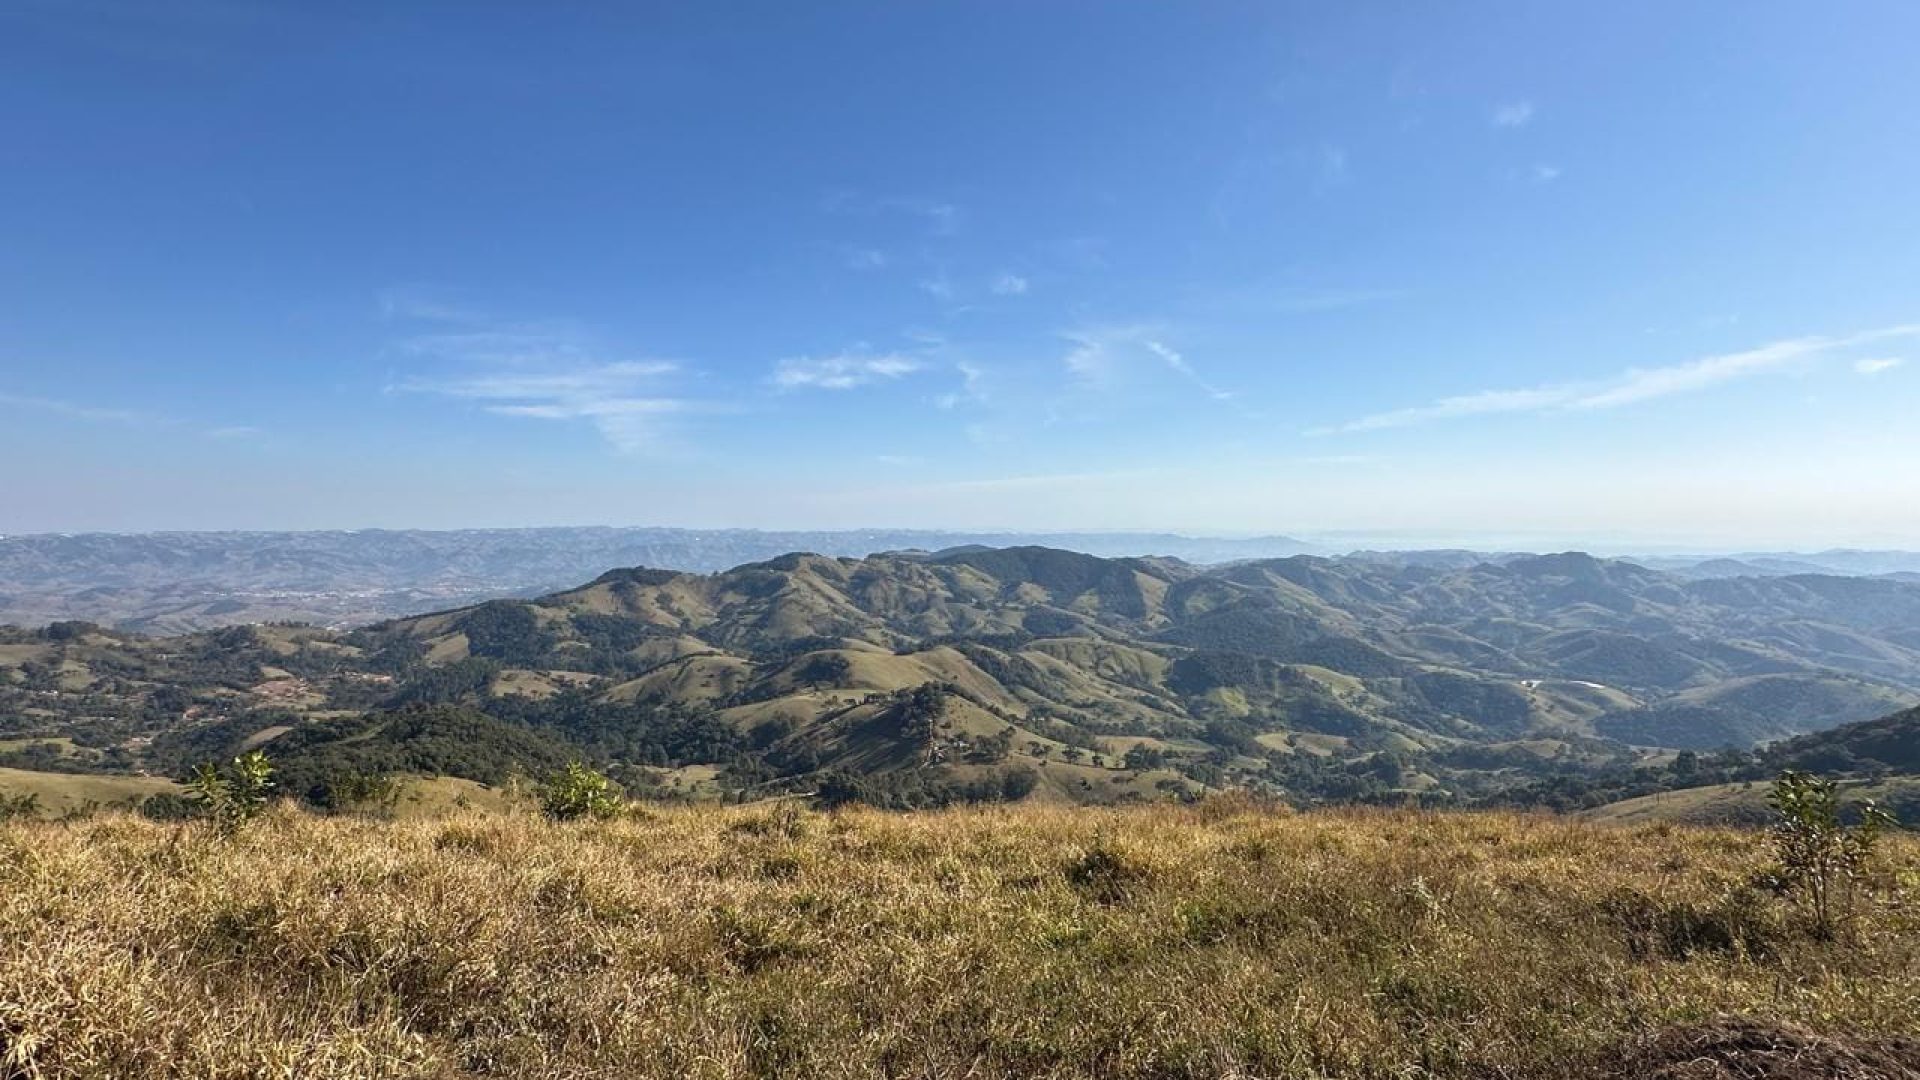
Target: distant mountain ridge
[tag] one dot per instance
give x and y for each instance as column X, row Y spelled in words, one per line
column 971, row 671
column 174, row 582
column 183, row 581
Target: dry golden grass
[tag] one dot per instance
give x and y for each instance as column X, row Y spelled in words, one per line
column 1220, row 941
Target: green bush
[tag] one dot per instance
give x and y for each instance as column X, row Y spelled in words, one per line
column 234, row 795
column 1820, row 859
column 375, row 794
column 579, row 792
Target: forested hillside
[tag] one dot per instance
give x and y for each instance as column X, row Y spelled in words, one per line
column 986, row 674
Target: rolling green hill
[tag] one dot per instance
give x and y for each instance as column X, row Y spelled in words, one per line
column 978, row 672
column 1746, row 803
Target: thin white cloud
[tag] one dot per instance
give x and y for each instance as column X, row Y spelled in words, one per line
column 843, row 372
column 1877, row 365
column 864, row 258
column 590, row 383
column 940, row 288
column 1098, row 354
column 1545, row 174
column 76, row 412
column 942, row 218
column 542, row 377
column 972, row 387
column 1179, row 363
column 1090, row 360
column 1513, row 114
column 1630, row 387
column 1008, row 285
column 421, row 303
column 94, row 414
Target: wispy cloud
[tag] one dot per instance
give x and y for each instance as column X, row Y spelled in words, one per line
column 843, row 372
column 944, row 218
column 1877, row 365
column 597, row 382
column 622, row 400
column 972, row 387
column 1090, row 360
column 1512, row 114
column 551, row 372
column 1179, row 363
column 74, row 411
column 96, row 414
column 1008, row 285
column 1098, row 354
column 864, row 258
column 1630, row 387
column 940, row 288
column 426, row 303
column 941, row 218
column 1545, row 174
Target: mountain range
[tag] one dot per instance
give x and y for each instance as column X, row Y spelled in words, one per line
column 173, row 582
column 178, row 582
column 979, row 670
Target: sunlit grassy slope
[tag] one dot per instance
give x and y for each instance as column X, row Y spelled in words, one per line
column 1746, row 803
column 1218, row 941
column 59, row 792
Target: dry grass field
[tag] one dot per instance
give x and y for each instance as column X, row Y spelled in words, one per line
column 1223, row 940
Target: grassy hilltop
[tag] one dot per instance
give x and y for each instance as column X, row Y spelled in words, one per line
column 1220, row 940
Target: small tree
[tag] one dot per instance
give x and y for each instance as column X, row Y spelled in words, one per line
column 1820, row 858
column 19, row 806
column 234, row 795
column 373, row 793
column 579, row 792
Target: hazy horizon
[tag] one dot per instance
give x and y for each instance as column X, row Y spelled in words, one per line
column 1330, row 543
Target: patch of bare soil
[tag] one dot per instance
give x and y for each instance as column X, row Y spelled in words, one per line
column 1748, row 1050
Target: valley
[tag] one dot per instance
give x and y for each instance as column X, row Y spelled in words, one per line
column 989, row 674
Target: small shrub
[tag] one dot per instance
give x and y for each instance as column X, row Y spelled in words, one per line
column 1738, row 924
column 19, row 806
column 1240, row 802
column 167, row 806
column 579, row 792
column 83, row 811
column 1820, row 859
column 1105, row 873
column 751, row 940
column 785, row 819
column 375, row 794
column 474, row 840
column 234, row 795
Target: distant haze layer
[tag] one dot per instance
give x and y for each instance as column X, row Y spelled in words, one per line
column 170, row 582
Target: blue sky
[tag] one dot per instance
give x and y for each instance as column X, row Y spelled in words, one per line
column 1621, row 274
